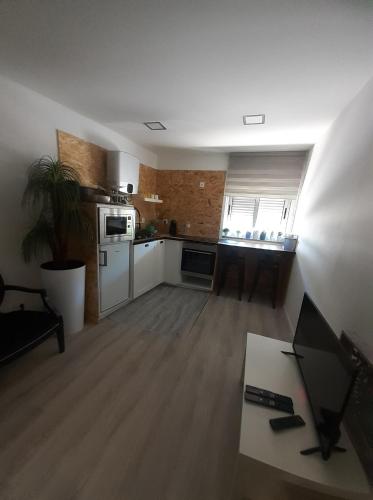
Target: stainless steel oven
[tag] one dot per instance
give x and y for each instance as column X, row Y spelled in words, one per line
column 116, row 224
column 198, row 260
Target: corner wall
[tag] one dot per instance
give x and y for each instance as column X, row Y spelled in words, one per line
column 334, row 261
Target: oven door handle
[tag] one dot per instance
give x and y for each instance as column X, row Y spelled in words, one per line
column 104, row 253
column 198, row 251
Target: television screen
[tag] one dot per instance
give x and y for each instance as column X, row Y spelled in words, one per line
column 326, row 370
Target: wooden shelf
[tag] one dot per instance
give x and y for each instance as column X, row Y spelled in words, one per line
column 153, row 200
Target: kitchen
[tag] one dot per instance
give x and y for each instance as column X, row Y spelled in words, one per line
column 160, row 226
column 154, row 265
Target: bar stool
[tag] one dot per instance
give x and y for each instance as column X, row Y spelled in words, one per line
column 230, row 260
column 267, row 265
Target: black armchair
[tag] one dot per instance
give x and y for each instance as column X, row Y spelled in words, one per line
column 22, row 330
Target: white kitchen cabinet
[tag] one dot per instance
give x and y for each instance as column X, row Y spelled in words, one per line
column 173, row 254
column 114, row 274
column 159, row 261
column 156, row 262
column 143, row 268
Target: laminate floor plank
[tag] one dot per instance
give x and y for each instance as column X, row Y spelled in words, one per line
column 144, row 405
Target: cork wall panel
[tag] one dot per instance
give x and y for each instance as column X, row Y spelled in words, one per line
column 85, row 250
column 147, row 180
column 182, row 197
column 187, row 203
column 147, row 210
column 87, row 158
column 147, row 185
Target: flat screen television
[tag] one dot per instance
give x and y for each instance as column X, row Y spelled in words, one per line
column 327, row 373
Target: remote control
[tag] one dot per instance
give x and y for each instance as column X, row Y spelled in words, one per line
column 268, row 394
column 279, row 424
column 270, row 403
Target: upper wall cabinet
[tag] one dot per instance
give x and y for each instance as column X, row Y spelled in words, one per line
column 123, row 171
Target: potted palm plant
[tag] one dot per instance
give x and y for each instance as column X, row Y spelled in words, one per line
column 52, row 192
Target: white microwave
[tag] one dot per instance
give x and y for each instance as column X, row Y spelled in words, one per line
column 116, row 224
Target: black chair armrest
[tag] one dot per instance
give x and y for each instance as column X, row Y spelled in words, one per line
column 40, row 291
column 50, row 307
column 43, row 294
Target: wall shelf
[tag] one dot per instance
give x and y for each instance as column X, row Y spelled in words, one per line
column 153, row 200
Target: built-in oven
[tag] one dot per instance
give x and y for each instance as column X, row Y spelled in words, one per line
column 198, row 259
column 115, row 224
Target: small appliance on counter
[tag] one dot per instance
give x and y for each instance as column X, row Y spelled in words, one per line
column 173, row 228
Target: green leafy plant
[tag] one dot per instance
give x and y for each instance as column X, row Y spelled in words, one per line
column 52, row 191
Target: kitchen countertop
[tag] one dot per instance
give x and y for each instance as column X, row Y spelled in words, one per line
column 179, row 237
column 254, row 245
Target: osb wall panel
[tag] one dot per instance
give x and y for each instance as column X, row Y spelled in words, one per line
column 147, row 185
column 90, row 162
column 87, row 158
column 147, row 180
column 86, row 250
column 187, row 203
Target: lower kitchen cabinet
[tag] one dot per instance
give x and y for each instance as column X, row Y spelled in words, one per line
column 143, row 263
column 148, row 266
column 156, row 262
column 173, row 254
column 159, row 261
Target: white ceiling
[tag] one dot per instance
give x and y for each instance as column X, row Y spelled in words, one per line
column 195, row 65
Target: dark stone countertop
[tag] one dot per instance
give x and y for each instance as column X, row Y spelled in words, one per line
column 254, row 245
column 179, row 237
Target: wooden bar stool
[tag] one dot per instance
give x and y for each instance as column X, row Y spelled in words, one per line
column 269, row 265
column 231, row 260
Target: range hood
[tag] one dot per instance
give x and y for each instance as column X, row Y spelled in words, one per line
column 123, row 172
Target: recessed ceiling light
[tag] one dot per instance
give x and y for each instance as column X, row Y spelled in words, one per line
column 155, row 125
column 253, row 119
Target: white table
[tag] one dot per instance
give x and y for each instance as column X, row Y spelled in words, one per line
column 278, row 453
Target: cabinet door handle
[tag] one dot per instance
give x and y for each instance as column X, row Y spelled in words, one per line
column 104, row 253
column 161, row 242
column 146, row 244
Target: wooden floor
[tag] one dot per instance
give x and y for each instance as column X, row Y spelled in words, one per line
column 129, row 413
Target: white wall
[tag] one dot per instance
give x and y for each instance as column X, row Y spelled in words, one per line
column 334, row 260
column 28, row 123
column 190, row 159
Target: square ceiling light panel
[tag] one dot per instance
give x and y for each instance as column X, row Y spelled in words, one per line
column 253, row 119
column 155, row 125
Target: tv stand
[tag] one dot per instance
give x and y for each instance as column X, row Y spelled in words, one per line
column 316, row 449
column 269, row 463
column 291, row 353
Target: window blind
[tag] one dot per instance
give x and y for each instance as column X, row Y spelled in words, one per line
column 272, row 175
column 242, row 208
column 270, row 211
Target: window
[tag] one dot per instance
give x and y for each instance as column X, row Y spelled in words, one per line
column 244, row 215
column 261, row 192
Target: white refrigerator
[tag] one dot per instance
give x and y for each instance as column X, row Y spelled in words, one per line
column 114, row 263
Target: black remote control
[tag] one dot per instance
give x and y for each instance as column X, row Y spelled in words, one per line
column 269, row 403
column 279, row 424
column 268, row 394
